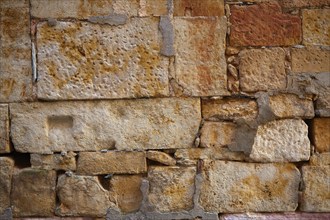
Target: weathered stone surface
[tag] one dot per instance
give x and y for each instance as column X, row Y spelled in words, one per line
column 321, row 134
column 229, row 108
column 161, row 157
column 15, row 51
column 101, row 61
column 6, row 172
column 4, row 129
column 95, row 125
column 167, row 30
column 316, row 26
column 63, row 161
column 200, row 63
column 191, row 155
column 281, row 141
column 125, row 192
column 217, row 134
column 304, row 3
column 38, row 188
column 70, row 9
column 6, row 215
column 112, row 19
column 129, row 8
column 290, row 105
column 152, row 8
column 171, row 188
column 199, row 8
column 262, row 69
column 249, row 187
column 310, row 60
column 271, row 28
column 94, row 163
column 320, row 159
column 275, row 216
column 82, row 196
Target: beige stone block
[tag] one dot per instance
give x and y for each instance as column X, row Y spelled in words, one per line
column 191, row 155
column 127, row 7
column 63, row 161
column 316, row 26
column 4, row 129
column 304, row 3
column 320, row 159
column 262, row 69
column 161, row 157
column 171, row 188
column 153, row 8
column 310, row 60
column 6, row 172
column 199, row 8
column 200, row 63
column 249, row 187
column 217, row 134
column 321, row 134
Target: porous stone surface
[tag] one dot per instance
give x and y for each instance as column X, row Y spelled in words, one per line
column 316, row 26
column 129, row 8
column 95, row 163
column 161, row 157
column 15, row 51
column 6, row 172
column 275, row 216
column 199, row 8
column 321, row 134
column 4, row 129
column 82, row 196
column 38, row 188
column 217, row 134
column 200, row 63
column 101, row 61
column 90, row 126
column 249, row 187
column 171, row 188
column 262, row 69
column 272, row 28
column 63, row 161
column 281, row 141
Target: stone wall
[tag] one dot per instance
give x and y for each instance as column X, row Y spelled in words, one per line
column 165, row 109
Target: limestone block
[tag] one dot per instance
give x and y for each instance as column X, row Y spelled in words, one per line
column 191, row 155
column 316, row 26
column 217, row 134
column 321, row 134
column 127, row 7
column 161, row 157
column 199, row 8
column 320, row 159
column 153, row 8
column 63, row 161
column 4, row 129
column 6, row 172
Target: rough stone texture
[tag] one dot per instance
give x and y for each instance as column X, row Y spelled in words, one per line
column 161, row 157
column 310, row 60
column 112, row 19
column 316, row 26
column 322, row 159
column 249, row 187
column 6, row 215
column 321, row 134
column 101, row 61
column 82, row 196
column 304, row 3
column 15, row 51
column 38, row 188
column 80, row 9
column 167, row 30
column 262, row 69
column 217, row 134
column 276, row 216
column 125, row 192
column 272, row 28
column 199, row 8
column 152, row 8
column 129, row 8
column 6, row 172
column 4, row 129
column 94, row 125
column 281, row 141
column 171, row 188
column 291, row 106
column 200, row 63
column 95, row 163
column 229, row 108
column 63, row 161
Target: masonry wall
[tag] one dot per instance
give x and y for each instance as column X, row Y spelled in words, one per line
column 165, row 109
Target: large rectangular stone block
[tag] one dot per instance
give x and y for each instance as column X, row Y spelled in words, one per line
column 199, row 8
column 93, row 125
column 4, row 129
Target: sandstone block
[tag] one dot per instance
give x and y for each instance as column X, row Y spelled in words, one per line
column 275, row 216
column 262, row 69
column 321, row 134
column 95, row 125
column 171, row 188
column 199, row 8
column 101, row 61
column 129, row 8
column 161, row 157
column 320, row 159
column 217, row 134
column 63, row 161
column 6, row 172
column 263, row 24
column 249, row 187
column 316, row 26
column 95, row 163
column 281, row 141
column 152, row 8
column 4, row 129
column 200, row 63
column 38, row 188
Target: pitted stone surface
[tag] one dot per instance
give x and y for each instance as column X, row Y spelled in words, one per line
column 316, row 26
column 200, row 63
column 199, row 8
column 321, row 134
column 93, row 61
column 249, row 187
column 6, row 172
column 95, row 125
column 129, row 8
column 281, row 141
column 4, row 129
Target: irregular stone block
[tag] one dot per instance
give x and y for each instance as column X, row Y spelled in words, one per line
column 6, row 172
column 263, row 24
column 15, row 51
column 262, row 69
column 161, row 157
column 101, row 61
column 249, row 187
column 129, row 8
column 63, row 161
column 152, row 8
column 200, row 63
column 95, row 163
column 171, row 188
column 316, row 26
column 4, row 129
column 281, row 141
column 199, row 8
column 321, row 134
column 38, row 188
column 82, row 196
column 229, row 109
column 275, row 216
column 95, row 125
column 320, row 159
